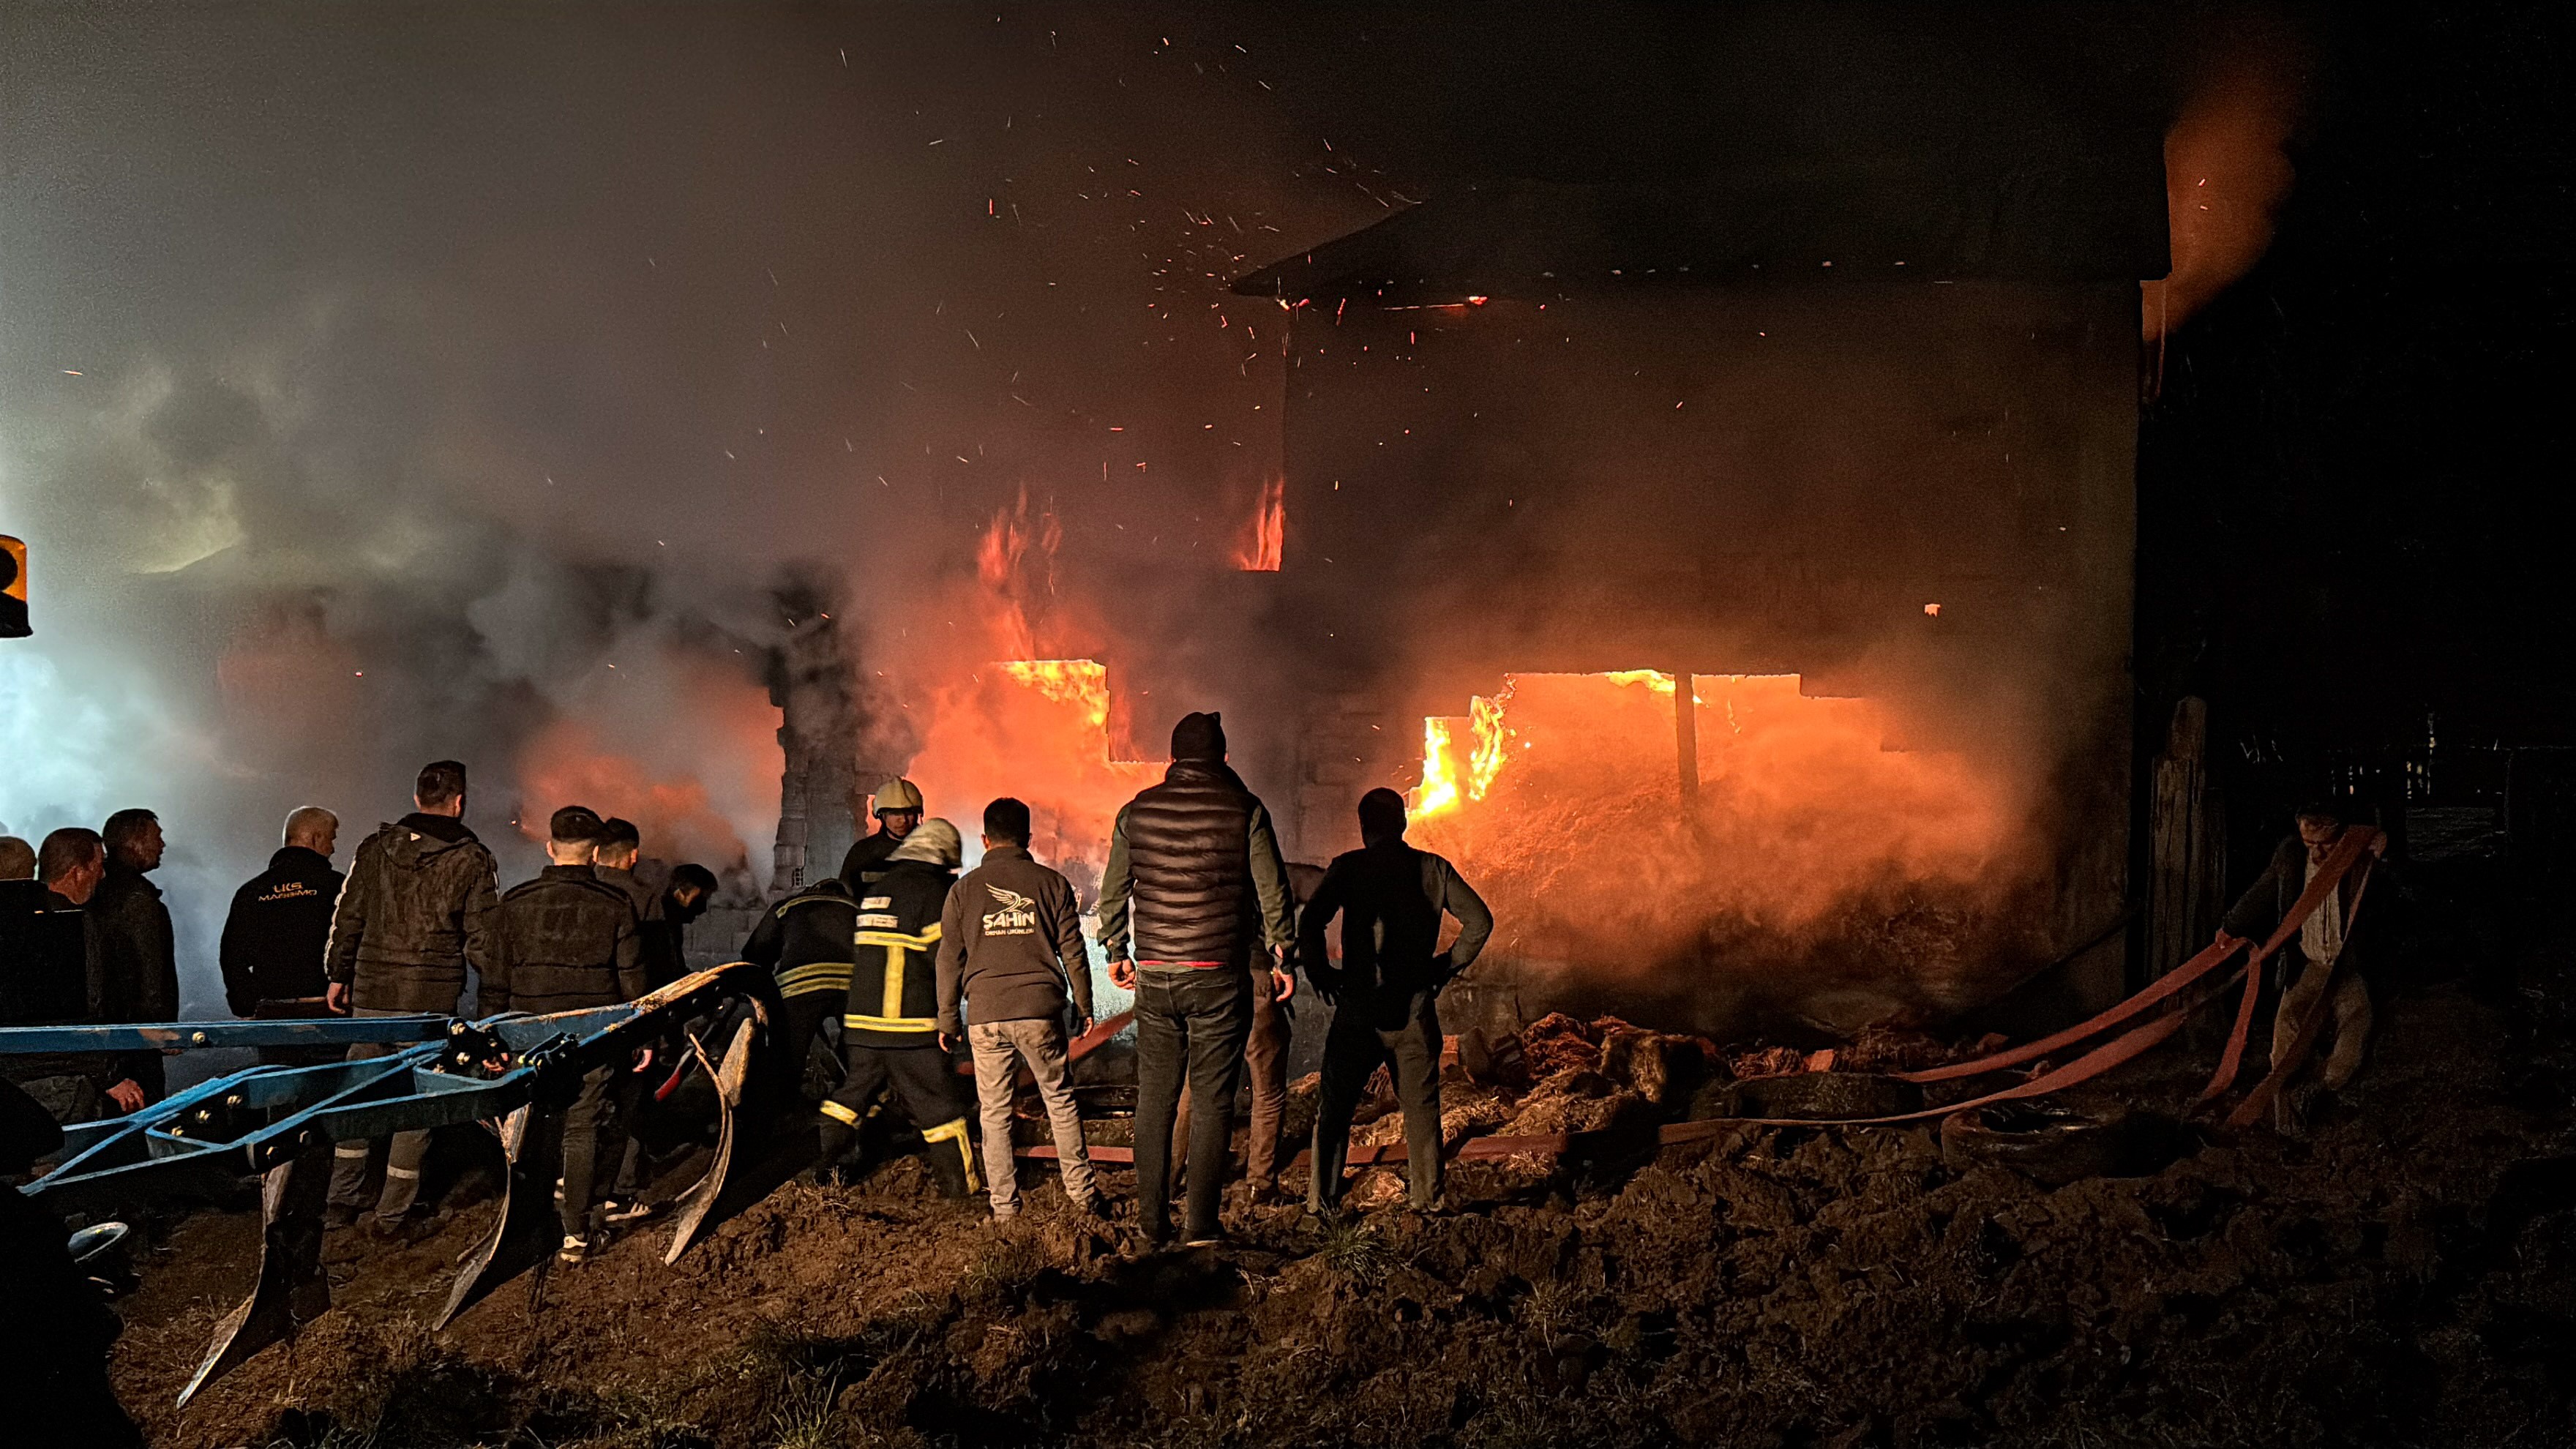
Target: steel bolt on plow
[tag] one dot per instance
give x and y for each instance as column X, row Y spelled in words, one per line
column 519, row 1073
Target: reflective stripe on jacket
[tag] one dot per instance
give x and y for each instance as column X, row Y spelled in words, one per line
column 894, row 977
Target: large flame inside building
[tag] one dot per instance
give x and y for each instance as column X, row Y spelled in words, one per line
column 1799, row 837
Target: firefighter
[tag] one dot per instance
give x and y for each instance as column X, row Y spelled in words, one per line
column 412, row 917
column 807, row 941
column 890, row 1035
column 562, row 942
column 898, row 810
column 1390, row 897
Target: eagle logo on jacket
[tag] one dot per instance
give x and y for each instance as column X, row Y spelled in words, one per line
column 1017, row 914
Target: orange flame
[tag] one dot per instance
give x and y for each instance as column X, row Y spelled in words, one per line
column 1037, row 729
column 1564, row 807
column 1015, row 561
column 1267, row 536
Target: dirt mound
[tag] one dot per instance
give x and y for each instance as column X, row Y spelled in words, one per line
column 2406, row 1274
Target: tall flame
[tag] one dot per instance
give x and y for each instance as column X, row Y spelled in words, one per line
column 1267, row 536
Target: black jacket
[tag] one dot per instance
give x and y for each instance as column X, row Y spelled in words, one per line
column 1194, row 872
column 1390, row 897
column 413, row 915
column 277, row 930
column 866, row 861
column 561, row 942
column 808, row 940
column 137, row 963
column 894, row 983
column 1010, row 942
column 135, row 960
column 48, row 976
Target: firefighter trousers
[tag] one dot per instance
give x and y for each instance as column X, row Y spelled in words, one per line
column 926, row 1086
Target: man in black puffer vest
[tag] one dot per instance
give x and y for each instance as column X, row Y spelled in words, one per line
column 1194, row 896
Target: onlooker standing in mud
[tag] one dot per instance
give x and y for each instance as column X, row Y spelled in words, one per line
column 1265, row 1062
column 1390, row 897
column 2318, row 963
column 890, row 1033
column 897, row 807
column 412, row 916
column 49, row 977
column 138, row 964
column 1193, row 893
column 562, row 942
column 1010, row 943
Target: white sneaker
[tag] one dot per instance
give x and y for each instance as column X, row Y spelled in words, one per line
column 575, row 1248
column 627, row 1212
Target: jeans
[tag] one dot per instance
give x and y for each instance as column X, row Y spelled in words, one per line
column 2348, row 1001
column 1192, row 1020
column 1265, row 1056
column 402, row 1159
column 1402, row 1031
column 1000, row 1046
column 593, row 1131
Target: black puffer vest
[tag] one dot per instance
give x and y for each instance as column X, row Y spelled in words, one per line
column 1189, row 853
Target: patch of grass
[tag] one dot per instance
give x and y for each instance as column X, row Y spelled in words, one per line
column 806, row 1413
column 1014, row 1257
column 1353, row 1251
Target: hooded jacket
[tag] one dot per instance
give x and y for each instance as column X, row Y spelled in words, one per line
column 414, row 913
column 1010, row 942
column 894, row 980
column 277, row 930
column 564, row 941
column 1194, row 872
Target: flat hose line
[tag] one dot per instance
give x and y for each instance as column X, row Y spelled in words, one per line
column 2353, row 849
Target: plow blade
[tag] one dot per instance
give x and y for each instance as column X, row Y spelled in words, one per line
column 530, row 1228
column 292, row 1290
column 762, row 1139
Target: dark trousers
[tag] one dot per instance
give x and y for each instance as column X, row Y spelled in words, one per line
column 1403, row 1031
column 926, row 1086
column 1265, row 1057
column 1194, row 1021
column 594, row 1132
column 801, row 1022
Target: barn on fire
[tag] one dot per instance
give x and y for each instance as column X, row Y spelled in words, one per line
column 1849, row 431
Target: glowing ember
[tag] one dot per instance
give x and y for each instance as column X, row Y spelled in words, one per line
column 1268, row 535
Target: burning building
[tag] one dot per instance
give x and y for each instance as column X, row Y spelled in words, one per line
column 1738, row 575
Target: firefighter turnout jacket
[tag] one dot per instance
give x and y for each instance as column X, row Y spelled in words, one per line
column 808, row 941
column 894, row 981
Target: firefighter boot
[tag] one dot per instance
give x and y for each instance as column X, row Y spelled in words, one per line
column 839, row 1132
column 952, row 1159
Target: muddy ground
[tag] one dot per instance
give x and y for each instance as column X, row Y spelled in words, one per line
column 2403, row 1272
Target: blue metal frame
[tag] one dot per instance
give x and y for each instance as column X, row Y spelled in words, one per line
column 193, row 1143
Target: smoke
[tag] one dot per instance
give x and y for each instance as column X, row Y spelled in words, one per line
column 470, row 394
column 2227, row 172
